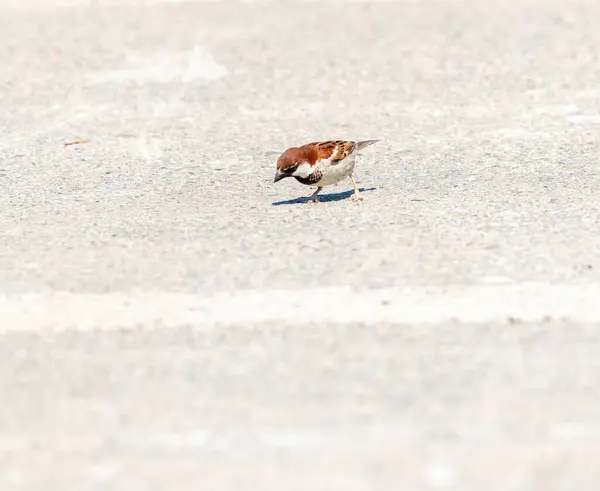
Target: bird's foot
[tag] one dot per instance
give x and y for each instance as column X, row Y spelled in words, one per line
column 313, row 197
column 357, row 197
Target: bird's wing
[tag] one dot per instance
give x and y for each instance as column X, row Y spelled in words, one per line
column 333, row 150
column 338, row 150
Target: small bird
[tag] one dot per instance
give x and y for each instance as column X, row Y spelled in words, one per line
column 321, row 164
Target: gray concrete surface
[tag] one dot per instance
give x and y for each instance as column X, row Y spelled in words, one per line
column 171, row 319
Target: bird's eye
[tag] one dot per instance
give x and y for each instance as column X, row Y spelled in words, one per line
column 292, row 169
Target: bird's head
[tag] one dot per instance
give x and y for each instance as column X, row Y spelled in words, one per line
column 296, row 162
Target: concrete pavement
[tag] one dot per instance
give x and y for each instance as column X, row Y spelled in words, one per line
column 171, row 319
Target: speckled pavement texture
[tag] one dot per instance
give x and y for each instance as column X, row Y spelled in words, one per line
column 171, row 319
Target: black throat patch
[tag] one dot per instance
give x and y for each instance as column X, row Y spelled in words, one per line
column 312, row 179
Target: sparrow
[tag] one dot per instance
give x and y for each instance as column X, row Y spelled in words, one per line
column 321, row 164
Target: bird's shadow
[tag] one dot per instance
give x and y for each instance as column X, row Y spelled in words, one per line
column 323, row 197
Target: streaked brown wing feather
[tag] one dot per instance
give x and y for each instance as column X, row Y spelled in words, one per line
column 344, row 148
column 328, row 148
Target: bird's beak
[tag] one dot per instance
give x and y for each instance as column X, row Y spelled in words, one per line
column 279, row 176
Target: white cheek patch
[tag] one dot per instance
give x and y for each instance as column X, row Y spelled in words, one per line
column 303, row 170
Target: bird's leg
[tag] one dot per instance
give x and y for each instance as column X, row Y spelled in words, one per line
column 357, row 195
column 313, row 197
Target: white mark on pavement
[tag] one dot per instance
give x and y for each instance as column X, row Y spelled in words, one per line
column 528, row 302
column 496, row 280
column 240, row 440
column 439, row 475
column 150, row 149
column 163, row 67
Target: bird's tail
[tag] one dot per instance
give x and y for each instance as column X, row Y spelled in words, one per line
column 366, row 143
